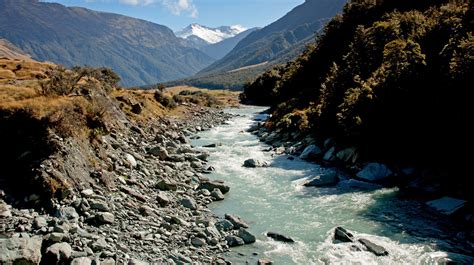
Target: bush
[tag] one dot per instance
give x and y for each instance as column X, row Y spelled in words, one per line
column 165, row 100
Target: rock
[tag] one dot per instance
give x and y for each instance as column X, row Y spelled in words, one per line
column 189, row 203
column 81, row 261
column 446, row 205
column 341, row 234
column 160, row 152
column 198, row 242
column 248, row 237
column 329, row 155
column 212, row 232
column 280, row 150
column 99, row 245
column 131, row 160
column 20, row 250
column 136, row 262
column 374, row 248
column 58, row 253
column 137, row 108
column 211, row 185
column 5, row 209
column 105, row 218
column 224, row 225
column 87, row 192
column 40, row 222
column 99, row 205
column 264, row 262
column 217, row 195
column 374, row 172
column 56, row 237
column 212, row 145
column 348, row 155
column 162, row 199
column 234, row 241
column 146, row 210
column 253, row 163
column 167, row 185
column 236, row 221
column 280, row 237
column 325, row 179
column 67, row 213
column 311, row 152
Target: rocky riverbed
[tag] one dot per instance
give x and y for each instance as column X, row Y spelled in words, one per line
column 150, row 207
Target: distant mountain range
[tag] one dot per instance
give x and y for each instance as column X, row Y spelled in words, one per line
column 281, row 40
column 140, row 52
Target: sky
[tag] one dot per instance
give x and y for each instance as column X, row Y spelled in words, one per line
column 177, row 14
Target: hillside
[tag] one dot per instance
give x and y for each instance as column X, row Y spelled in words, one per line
column 296, row 27
column 8, row 50
column 140, row 52
column 390, row 78
column 220, row 49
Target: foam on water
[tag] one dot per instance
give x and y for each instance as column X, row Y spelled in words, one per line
column 273, row 199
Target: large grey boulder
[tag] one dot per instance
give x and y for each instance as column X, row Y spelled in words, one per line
column 342, row 235
column 130, row 160
column 446, row 205
column 5, row 209
column 329, row 155
column 325, row 179
column 374, row 248
column 248, row 237
column 162, row 199
column 160, row 152
column 81, row 261
column 348, row 155
column 167, row 185
column 189, row 203
column 105, row 218
column 211, row 185
column 236, row 221
column 253, row 163
column 59, row 252
column 280, row 237
column 234, row 241
column 20, row 250
column 68, row 213
column 374, row 172
column 311, row 152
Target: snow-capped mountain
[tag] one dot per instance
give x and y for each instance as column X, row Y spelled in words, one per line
column 210, row 35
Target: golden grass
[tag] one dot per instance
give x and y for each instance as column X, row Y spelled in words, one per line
column 226, row 98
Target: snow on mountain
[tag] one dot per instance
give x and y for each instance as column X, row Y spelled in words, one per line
column 210, row 35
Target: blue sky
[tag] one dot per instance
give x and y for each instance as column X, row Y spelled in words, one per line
column 177, row 14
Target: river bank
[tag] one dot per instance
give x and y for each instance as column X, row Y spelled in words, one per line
column 274, row 199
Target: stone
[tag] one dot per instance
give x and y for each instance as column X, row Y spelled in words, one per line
column 162, row 199
column 87, row 192
column 212, row 145
column 217, row 195
column 446, row 205
column 81, row 261
column 160, row 152
column 189, row 203
column 212, row 232
column 131, row 162
column 56, row 237
column 198, row 242
column 211, row 185
column 374, row 172
column 311, row 152
column 234, row 241
column 5, row 209
column 329, row 155
column 146, row 210
column 325, row 179
column 248, row 237
column 137, row 108
column 58, row 253
column 167, row 185
column 224, row 225
column 253, row 163
column 20, row 250
column 99, row 245
column 67, row 213
column 348, row 155
column 136, row 262
column 374, row 248
column 105, row 218
column 40, row 222
column 280, row 237
column 264, row 262
column 99, row 205
column 342, row 235
column 236, row 221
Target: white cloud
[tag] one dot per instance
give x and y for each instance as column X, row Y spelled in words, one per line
column 181, row 6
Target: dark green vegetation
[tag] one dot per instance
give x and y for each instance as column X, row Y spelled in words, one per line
column 390, row 77
column 140, row 52
column 277, row 39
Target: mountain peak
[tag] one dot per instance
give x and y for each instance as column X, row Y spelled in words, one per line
column 210, row 35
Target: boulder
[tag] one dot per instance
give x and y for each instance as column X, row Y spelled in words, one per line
column 253, row 163
column 348, row 155
column 40, row 222
column 248, row 237
column 329, row 155
column 217, row 195
column 167, row 185
column 20, row 250
column 58, row 253
column 446, row 205
column 236, row 221
column 67, row 213
column 162, row 199
column 105, row 218
column 189, row 203
column 198, row 242
column 160, row 152
column 130, row 160
column 374, row 172
column 311, row 152
column 81, row 261
column 234, row 241
column 374, row 248
column 326, row 179
column 280, row 237
column 264, row 262
column 5, row 210
column 224, row 225
column 211, row 185
column 342, row 235
column 212, row 145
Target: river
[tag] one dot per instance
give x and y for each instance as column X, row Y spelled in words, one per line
column 273, row 199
